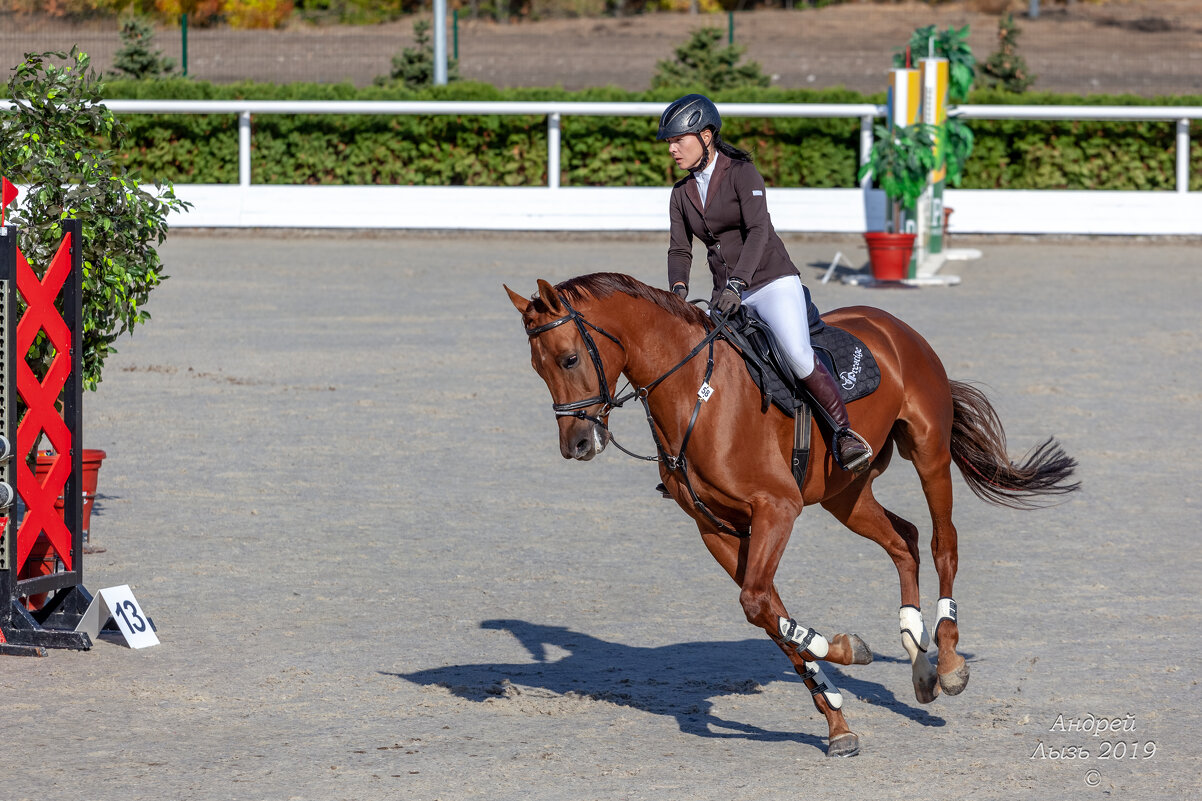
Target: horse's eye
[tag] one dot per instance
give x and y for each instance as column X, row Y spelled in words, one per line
column 570, row 361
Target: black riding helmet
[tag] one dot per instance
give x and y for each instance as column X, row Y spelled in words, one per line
column 690, row 114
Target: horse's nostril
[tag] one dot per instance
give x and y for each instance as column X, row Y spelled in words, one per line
column 582, row 446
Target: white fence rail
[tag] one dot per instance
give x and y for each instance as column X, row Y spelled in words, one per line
column 622, row 208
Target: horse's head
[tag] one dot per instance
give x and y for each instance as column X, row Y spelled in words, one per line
column 572, row 362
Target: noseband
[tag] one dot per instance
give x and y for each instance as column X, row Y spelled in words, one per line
column 605, row 399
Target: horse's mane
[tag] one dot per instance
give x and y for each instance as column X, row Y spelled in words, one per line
column 602, row 285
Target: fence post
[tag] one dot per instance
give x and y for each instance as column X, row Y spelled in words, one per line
column 553, row 150
column 183, row 34
column 1183, row 155
column 244, row 149
column 440, row 42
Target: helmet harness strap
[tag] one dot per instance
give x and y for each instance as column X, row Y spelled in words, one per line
column 705, row 154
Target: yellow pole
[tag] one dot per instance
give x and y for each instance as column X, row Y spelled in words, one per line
column 904, row 104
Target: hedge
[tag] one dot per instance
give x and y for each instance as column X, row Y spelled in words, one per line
column 494, row 150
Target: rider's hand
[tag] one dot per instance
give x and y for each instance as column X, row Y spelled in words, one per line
column 730, row 299
column 682, row 291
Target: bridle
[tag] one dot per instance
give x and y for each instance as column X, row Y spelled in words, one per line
column 608, row 402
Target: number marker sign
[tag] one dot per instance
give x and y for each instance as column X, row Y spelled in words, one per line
column 119, row 604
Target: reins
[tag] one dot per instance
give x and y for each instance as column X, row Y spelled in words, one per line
column 675, row 464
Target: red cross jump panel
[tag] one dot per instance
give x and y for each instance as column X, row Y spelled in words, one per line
column 41, row 398
column 41, row 594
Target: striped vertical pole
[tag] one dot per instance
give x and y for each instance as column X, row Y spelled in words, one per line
column 935, row 75
column 902, row 111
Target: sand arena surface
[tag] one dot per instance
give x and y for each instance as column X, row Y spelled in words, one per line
column 333, row 482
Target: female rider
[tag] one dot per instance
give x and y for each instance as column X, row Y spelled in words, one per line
column 722, row 202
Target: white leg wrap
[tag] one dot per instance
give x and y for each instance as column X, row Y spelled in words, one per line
column 913, row 631
column 823, row 685
column 805, row 639
column 946, row 610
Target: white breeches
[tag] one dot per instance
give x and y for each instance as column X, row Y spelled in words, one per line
column 782, row 306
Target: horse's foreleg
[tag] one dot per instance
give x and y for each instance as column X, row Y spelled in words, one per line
column 752, row 563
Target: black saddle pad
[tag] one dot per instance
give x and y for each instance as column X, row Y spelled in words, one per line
column 849, row 360
column 845, row 355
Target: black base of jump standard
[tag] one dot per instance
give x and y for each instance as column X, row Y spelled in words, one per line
column 53, row 626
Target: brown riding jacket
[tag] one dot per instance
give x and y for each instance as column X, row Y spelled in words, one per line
column 734, row 225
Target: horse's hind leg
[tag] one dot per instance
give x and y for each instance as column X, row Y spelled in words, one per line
column 930, row 451
column 752, row 566
column 858, row 509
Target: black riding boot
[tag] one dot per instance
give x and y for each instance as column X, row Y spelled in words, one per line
column 850, row 449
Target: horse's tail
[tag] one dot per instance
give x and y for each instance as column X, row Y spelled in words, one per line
column 979, row 450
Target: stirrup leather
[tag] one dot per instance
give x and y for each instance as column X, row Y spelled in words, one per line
column 859, row 464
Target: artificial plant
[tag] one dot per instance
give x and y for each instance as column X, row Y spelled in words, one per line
column 900, row 162
column 952, row 44
column 59, row 144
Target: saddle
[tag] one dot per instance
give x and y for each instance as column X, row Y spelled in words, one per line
column 844, row 354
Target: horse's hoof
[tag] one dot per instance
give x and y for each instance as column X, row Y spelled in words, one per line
column 926, row 684
column 926, row 693
column 861, row 654
column 845, row 745
column 954, row 683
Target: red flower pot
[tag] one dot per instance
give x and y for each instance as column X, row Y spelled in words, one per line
column 91, row 468
column 43, row 560
column 889, row 254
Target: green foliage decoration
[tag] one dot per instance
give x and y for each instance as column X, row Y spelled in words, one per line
column 53, row 145
column 136, row 58
column 704, row 62
column 1005, row 68
column 900, row 162
column 951, row 44
column 957, row 141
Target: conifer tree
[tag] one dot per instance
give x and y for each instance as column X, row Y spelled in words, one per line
column 414, row 66
column 703, row 61
column 1005, row 68
column 136, row 59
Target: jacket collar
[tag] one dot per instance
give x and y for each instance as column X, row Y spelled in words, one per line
column 721, row 163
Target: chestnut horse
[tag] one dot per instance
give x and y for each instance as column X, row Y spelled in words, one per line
column 736, row 481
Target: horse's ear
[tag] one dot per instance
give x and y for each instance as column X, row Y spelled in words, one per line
column 520, row 303
column 549, row 296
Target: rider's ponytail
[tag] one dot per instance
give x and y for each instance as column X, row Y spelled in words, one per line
column 730, row 151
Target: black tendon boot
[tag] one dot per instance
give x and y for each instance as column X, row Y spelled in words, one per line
column 850, row 449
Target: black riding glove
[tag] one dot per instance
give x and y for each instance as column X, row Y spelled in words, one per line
column 682, row 292
column 731, row 297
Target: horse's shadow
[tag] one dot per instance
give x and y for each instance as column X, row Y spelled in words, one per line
column 679, row 680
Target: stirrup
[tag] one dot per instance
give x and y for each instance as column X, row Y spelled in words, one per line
column 861, row 462
column 662, row 490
